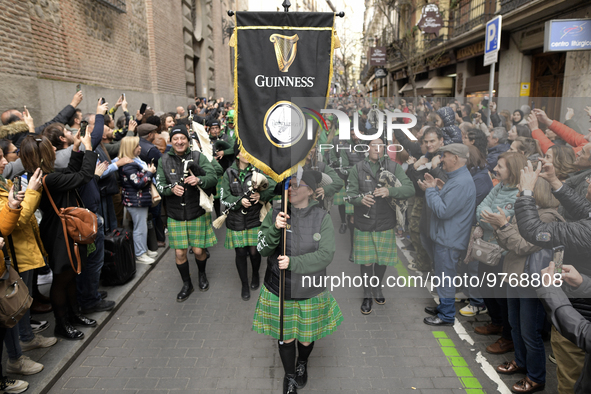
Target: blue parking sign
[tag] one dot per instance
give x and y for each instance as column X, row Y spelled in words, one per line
column 493, row 35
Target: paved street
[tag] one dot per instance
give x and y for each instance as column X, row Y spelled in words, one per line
column 205, row 345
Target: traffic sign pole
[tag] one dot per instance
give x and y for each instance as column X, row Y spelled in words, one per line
column 490, row 91
column 491, row 52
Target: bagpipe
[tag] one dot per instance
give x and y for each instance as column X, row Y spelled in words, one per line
column 259, row 183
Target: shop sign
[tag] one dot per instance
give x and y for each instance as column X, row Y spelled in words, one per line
column 377, row 56
column 431, row 20
column 380, row 73
column 567, row 35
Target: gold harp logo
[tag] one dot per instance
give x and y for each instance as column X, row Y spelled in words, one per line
column 285, row 50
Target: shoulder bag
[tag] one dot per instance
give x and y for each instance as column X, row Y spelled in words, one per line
column 14, row 294
column 79, row 224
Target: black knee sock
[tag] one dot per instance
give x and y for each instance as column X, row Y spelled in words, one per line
column 352, row 233
column 201, row 264
column 366, row 270
column 255, row 260
column 304, row 351
column 342, row 213
column 184, row 271
column 380, row 271
column 287, row 352
column 241, row 261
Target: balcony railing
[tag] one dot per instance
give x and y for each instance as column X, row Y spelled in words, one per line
column 471, row 13
column 510, row 5
column 117, row 5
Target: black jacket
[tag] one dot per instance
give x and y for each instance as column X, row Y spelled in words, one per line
column 574, row 236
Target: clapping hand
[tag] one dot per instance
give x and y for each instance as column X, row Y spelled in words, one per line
column 529, row 177
column 495, row 219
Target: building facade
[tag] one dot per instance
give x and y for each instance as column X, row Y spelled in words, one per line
column 163, row 53
column 450, row 64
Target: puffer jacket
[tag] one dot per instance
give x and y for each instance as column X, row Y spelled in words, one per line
column 574, row 236
column 8, row 222
column 500, row 196
column 26, row 236
column 135, row 185
column 519, row 249
column 577, row 182
column 451, row 133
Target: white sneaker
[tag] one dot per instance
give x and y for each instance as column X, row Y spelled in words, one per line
column 144, row 259
column 13, row 386
column 412, row 266
column 471, row 310
column 152, row 254
column 38, row 342
column 23, row 366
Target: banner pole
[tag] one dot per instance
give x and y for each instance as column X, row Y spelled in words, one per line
column 282, row 276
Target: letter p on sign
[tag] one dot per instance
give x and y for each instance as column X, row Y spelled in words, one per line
column 490, row 36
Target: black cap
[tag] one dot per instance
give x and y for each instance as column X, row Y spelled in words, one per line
column 179, row 129
column 312, row 178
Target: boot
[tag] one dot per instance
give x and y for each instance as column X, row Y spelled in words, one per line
column 64, row 329
column 255, row 283
column 245, row 294
column 289, row 384
column 203, row 282
column 301, row 374
column 379, row 296
column 187, row 288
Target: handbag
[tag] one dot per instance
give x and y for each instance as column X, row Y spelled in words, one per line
column 537, row 261
column 79, row 224
column 15, row 299
column 155, row 195
column 483, row 251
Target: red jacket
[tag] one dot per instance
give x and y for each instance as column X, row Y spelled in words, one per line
column 574, row 139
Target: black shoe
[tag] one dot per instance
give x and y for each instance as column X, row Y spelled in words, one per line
column 301, row 374
column 103, row 294
column 64, row 329
column 366, row 306
column 436, row 321
column 101, row 306
column 77, row 319
column 343, row 228
column 256, row 282
column 289, row 385
column 351, row 256
column 379, row 296
column 432, row 310
column 245, row 294
column 203, row 282
column 185, row 292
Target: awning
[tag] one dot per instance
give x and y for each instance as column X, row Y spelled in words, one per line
column 428, row 87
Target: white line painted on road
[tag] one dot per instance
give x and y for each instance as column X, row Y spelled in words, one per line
column 462, row 333
column 492, row 373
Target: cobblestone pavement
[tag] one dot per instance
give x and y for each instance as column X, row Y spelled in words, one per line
column 205, row 345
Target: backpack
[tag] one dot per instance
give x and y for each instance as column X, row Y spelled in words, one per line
column 79, row 224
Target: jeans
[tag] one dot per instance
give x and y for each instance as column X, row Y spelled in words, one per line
column 107, row 211
column 87, row 283
column 473, row 293
column 527, row 317
column 24, row 324
column 13, row 347
column 139, row 216
column 444, row 263
column 495, row 297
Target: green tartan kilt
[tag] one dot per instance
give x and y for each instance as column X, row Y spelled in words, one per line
column 349, row 208
column 306, row 320
column 375, row 247
column 240, row 239
column 338, row 198
column 197, row 233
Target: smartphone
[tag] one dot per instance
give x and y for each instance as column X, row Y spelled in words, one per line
column 533, row 105
column 103, row 100
column 558, row 256
column 83, row 126
column 78, row 88
column 143, row 108
column 122, row 96
column 16, row 182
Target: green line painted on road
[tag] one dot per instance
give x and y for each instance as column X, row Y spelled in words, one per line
column 459, row 365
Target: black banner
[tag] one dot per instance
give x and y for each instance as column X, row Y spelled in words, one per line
column 280, row 56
